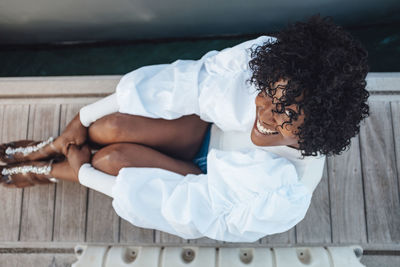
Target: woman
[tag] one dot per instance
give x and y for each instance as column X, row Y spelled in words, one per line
column 183, row 148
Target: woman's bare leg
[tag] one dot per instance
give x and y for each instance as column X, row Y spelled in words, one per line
column 180, row 138
column 112, row 158
column 177, row 141
column 62, row 170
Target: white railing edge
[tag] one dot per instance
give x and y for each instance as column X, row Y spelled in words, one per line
column 378, row 83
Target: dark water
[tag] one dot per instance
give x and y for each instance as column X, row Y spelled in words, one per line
column 381, row 41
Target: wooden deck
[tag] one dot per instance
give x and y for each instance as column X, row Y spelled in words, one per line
column 357, row 201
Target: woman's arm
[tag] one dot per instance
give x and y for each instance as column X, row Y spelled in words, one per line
column 76, row 131
column 213, row 87
column 79, row 161
column 169, row 91
column 90, row 113
column 245, row 196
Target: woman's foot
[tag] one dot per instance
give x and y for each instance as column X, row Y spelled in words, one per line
column 77, row 156
column 27, row 174
column 27, row 150
column 74, row 134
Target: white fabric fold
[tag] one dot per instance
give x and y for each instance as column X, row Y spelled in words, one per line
column 233, row 208
column 95, row 179
column 212, row 87
column 92, row 112
column 247, row 193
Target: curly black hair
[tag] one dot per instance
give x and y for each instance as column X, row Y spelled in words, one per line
column 327, row 67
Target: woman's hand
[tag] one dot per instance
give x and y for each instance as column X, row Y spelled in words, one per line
column 78, row 156
column 75, row 133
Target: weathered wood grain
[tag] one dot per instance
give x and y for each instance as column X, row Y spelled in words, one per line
column 38, row 201
column 162, row 237
column 395, row 108
column 380, row 175
column 380, row 164
column 288, row 237
column 14, row 126
column 102, row 221
column 205, row 241
column 130, row 234
column 381, row 260
column 347, row 196
column 71, row 198
column 316, row 226
column 36, row 260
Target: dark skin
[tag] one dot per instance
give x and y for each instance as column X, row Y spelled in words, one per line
column 125, row 141
column 134, row 141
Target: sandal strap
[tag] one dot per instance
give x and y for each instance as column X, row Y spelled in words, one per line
column 29, row 168
column 29, row 149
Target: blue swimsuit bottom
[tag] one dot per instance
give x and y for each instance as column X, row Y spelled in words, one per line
column 201, row 157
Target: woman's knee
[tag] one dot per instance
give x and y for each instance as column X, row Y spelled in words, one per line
column 109, row 159
column 105, row 129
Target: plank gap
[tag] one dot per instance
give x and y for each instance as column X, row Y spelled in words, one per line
column 329, row 196
column 363, row 188
column 395, row 150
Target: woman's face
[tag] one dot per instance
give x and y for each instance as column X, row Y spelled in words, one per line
column 267, row 130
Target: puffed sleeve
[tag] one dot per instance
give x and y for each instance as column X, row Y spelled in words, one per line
column 185, row 87
column 245, row 196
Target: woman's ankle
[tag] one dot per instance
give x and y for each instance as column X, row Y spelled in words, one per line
column 47, row 149
column 62, row 170
column 58, row 144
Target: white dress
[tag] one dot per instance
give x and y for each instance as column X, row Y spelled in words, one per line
column 248, row 192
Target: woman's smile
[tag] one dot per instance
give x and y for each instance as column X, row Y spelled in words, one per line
column 264, row 130
column 267, row 129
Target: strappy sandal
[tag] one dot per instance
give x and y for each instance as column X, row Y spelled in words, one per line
column 28, row 174
column 25, row 150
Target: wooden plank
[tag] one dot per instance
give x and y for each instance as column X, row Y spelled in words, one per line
column 102, row 221
column 381, row 260
column 68, row 247
column 26, row 100
column 58, row 86
column 162, row 237
column 35, row 260
column 14, row 126
column 347, row 196
column 380, row 177
column 105, row 84
column 71, row 198
column 205, row 241
column 38, row 201
column 37, row 247
column 395, row 108
column 130, row 233
column 316, row 226
column 383, row 82
column 288, row 237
